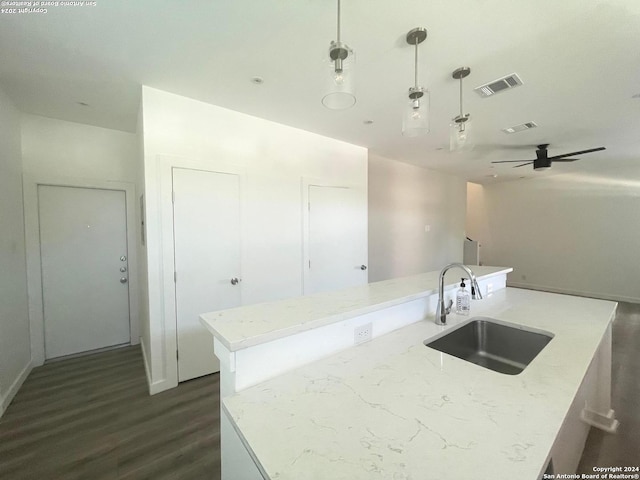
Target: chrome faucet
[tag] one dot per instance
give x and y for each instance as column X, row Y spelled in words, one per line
column 441, row 310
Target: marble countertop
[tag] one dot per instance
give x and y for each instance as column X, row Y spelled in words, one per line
column 395, row 409
column 243, row 327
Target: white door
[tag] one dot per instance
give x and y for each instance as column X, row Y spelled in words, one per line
column 83, row 246
column 206, row 214
column 337, row 239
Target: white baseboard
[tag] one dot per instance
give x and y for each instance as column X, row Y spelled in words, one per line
column 5, row 400
column 159, row 385
column 565, row 291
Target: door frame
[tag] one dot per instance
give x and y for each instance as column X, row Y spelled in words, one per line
column 32, row 240
column 168, row 330
column 305, row 183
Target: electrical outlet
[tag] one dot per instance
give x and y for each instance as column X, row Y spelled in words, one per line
column 362, row 333
column 489, row 289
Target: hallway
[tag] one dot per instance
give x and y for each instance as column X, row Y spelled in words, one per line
column 92, row 418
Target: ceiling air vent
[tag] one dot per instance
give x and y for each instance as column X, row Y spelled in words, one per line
column 520, row 128
column 500, row 85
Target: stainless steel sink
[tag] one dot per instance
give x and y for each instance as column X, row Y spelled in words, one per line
column 496, row 345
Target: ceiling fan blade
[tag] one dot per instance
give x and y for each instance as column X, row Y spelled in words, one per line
column 528, row 163
column 512, row 161
column 577, row 153
column 566, row 159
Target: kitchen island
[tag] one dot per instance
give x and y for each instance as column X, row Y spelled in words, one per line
column 392, row 408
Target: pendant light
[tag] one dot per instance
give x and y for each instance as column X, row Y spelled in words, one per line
column 461, row 124
column 416, row 115
column 340, row 83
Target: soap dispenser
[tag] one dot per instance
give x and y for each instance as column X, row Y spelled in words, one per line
column 463, row 300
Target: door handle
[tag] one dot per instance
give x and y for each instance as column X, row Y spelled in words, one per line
column 363, row 267
column 123, row 280
column 234, row 281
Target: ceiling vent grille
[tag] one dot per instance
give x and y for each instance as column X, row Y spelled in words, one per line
column 499, row 85
column 520, row 128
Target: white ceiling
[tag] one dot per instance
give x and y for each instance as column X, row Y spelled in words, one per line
column 579, row 61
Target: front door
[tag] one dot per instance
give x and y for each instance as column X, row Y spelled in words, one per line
column 83, row 246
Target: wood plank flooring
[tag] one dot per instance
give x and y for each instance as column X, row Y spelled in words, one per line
column 92, row 418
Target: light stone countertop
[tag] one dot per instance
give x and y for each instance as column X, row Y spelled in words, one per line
column 395, row 409
column 243, row 327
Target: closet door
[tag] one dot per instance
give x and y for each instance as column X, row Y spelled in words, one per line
column 337, row 239
column 207, row 261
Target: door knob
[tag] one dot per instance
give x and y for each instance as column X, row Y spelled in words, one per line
column 234, row 281
column 363, row 267
column 123, row 280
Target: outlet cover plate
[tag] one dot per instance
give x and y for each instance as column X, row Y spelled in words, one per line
column 362, row 333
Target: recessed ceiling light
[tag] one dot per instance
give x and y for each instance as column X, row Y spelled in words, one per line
column 83, row 104
column 368, row 122
column 257, row 80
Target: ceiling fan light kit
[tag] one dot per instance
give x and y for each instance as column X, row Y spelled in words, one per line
column 415, row 120
column 340, row 90
column 459, row 129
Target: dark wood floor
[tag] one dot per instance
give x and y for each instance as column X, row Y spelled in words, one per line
column 92, row 418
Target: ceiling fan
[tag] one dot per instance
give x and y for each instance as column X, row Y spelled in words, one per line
column 544, row 161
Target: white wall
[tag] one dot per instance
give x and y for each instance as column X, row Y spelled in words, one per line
column 65, row 149
column 273, row 159
column 141, row 230
column 403, row 199
column 15, row 352
column 569, row 233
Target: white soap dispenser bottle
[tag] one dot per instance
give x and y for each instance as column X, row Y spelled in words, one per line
column 463, row 300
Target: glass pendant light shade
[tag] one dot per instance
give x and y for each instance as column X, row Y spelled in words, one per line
column 460, row 135
column 415, row 120
column 460, row 138
column 340, row 82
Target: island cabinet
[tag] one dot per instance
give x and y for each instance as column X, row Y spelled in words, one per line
column 304, row 397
